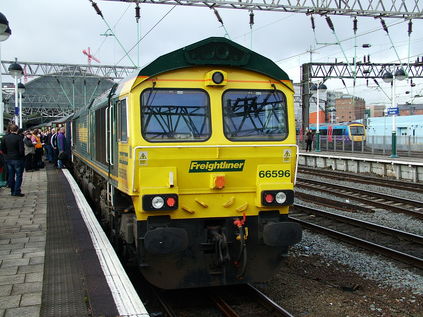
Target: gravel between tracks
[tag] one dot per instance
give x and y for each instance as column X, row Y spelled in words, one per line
column 380, row 216
column 325, row 277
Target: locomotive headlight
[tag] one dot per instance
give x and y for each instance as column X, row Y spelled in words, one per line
column 217, row 78
column 157, row 202
column 280, row 197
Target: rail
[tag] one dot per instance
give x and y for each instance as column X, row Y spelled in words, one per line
column 390, row 249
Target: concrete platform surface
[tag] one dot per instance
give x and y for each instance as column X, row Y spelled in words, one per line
column 55, row 260
column 22, row 247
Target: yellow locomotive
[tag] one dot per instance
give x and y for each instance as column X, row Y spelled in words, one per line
column 193, row 162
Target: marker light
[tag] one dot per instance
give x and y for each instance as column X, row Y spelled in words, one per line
column 280, row 197
column 170, row 201
column 268, row 198
column 157, row 202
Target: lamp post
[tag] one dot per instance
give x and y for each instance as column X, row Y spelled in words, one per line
column 15, row 70
column 21, row 90
column 388, row 77
column 318, row 88
column 4, row 35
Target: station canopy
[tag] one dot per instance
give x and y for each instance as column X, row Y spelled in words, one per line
column 55, row 96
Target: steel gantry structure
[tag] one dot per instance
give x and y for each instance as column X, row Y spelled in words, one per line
column 57, row 90
column 373, row 71
column 409, row 9
column 33, row 69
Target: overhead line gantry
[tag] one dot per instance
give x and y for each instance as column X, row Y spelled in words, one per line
column 407, row 9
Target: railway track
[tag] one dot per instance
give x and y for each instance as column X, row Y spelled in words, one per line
column 372, row 198
column 364, row 179
column 332, row 203
column 396, row 244
column 246, row 294
column 230, row 301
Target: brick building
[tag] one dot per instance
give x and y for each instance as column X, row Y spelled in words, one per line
column 410, row 109
column 349, row 108
column 377, row 110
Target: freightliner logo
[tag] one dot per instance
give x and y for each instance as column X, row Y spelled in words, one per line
column 216, row 166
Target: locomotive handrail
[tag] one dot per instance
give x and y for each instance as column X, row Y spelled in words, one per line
column 210, row 146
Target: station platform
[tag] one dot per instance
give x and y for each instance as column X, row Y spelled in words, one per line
column 55, row 260
column 405, row 168
column 366, row 155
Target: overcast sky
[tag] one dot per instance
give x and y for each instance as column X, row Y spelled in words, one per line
column 58, row 31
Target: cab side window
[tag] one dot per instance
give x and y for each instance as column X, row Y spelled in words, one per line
column 122, row 121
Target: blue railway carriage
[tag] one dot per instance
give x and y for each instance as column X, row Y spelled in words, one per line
column 348, row 131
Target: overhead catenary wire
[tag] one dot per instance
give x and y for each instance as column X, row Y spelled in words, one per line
column 98, row 11
column 114, row 26
column 385, row 28
column 332, row 27
column 258, row 28
column 151, row 29
column 344, row 40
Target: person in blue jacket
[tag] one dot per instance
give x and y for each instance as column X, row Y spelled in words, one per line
column 61, row 147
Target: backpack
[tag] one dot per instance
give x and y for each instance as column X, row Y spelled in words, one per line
column 54, row 140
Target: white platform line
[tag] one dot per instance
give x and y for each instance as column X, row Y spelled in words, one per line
column 126, row 298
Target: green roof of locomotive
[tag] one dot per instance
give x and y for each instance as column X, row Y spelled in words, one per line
column 214, row 51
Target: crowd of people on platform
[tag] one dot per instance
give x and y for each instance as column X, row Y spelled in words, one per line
column 24, row 150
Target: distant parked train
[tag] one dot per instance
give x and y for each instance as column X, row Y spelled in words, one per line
column 193, row 163
column 350, row 131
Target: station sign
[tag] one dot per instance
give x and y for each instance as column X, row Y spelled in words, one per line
column 393, row 111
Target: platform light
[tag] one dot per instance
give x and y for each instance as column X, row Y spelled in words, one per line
column 5, row 35
column 390, row 78
column 21, row 90
column 5, row 32
column 16, row 71
column 400, row 74
column 318, row 88
column 3, row 23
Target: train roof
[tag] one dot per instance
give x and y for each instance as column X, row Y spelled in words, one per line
column 213, row 51
column 334, row 125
